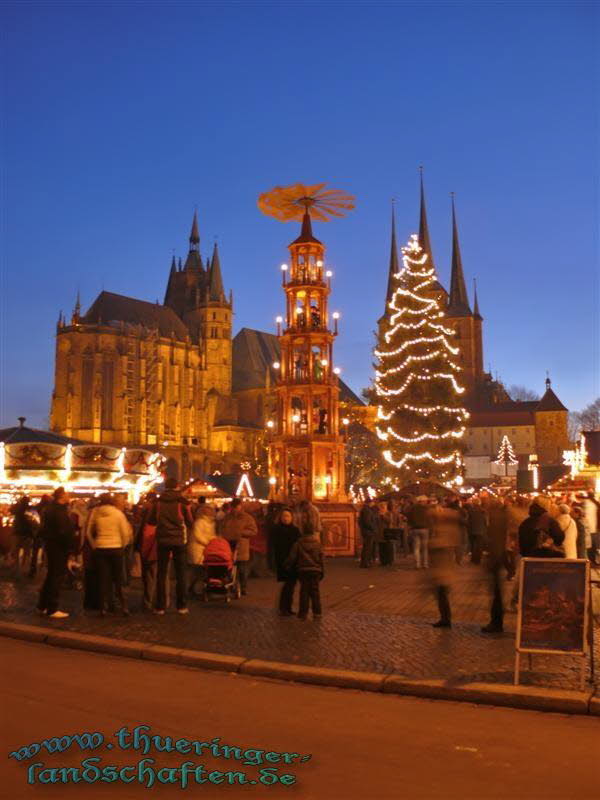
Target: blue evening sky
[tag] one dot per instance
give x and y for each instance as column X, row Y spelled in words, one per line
column 120, row 118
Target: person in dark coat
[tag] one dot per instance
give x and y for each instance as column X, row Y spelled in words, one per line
column 306, row 558
column 477, row 529
column 172, row 516
column 283, row 536
column 37, row 539
column 540, row 535
column 58, row 533
column 445, row 523
column 24, row 530
column 497, row 531
column 369, row 525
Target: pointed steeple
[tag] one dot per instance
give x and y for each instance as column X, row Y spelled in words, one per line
column 193, row 261
column 180, row 266
column 458, row 304
column 195, row 234
column 216, row 291
column 394, row 268
column 306, row 234
column 424, row 239
column 76, row 315
column 476, row 313
column 173, row 266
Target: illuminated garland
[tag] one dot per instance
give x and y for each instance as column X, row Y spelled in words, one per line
column 506, row 454
column 419, row 369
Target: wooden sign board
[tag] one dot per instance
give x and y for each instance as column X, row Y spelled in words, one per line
column 553, row 608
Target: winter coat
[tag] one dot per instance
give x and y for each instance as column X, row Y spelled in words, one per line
column 417, row 516
column 515, row 514
column 306, row 556
column 568, row 526
column 108, row 527
column 497, row 527
column 368, row 520
column 540, row 535
column 238, row 527
column 307, row 518
column 203, row 531
column 590, row 520
column 172, row 517
column 258, row 543
column 283, row 538
column 218, row 552
column 446, row 525
column 24, row 523
column 58, row 530
column 477, row 522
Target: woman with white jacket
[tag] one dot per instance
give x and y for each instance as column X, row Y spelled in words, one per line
column 108, row 533
column 203, row 531
column 569, row 527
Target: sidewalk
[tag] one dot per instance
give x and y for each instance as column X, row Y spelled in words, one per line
column 375, row 620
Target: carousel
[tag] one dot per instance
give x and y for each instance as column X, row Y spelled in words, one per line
column 35, row 462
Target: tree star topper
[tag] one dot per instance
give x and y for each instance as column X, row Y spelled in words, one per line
column 287, row 203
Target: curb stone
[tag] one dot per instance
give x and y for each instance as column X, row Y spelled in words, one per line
column 521, row 697
column 31, row 633
column 527, row 697
column 96, row 644
column 347, row 679
column 198, row 658
column 158, row 652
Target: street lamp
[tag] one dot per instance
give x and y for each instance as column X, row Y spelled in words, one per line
column 336, row 316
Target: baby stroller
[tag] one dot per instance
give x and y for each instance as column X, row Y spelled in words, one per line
column 220, row 572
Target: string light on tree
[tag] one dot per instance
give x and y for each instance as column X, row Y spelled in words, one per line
column 506, row 454
column 417, row 380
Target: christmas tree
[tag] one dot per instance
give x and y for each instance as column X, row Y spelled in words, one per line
column 420, row 419
column 506, row 454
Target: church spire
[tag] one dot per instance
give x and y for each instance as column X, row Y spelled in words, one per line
column 459, row 300
column 424, row 239
column 475, row 300
column 216, row 291
column 394, row 268
column 173, row 266
column 195, row 234
column 76, row 315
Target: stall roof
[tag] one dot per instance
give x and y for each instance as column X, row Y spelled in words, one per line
column 23, row 435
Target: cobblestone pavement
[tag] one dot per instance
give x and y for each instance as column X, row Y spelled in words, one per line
column 375, row 620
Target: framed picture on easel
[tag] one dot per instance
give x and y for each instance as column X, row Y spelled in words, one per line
column 553, row 609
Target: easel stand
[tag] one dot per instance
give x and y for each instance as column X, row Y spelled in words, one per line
column 587, row 625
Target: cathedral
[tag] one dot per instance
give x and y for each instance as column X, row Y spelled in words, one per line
column 130, row 372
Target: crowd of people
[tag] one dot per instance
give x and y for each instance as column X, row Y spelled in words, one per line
column 442, row 534
column 93, row 545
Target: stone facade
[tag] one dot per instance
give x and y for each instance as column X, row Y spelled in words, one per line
column 129, row 372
